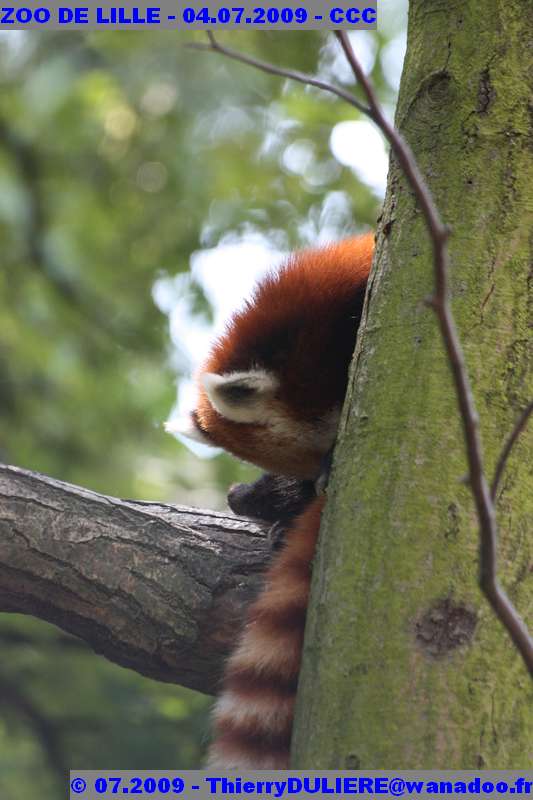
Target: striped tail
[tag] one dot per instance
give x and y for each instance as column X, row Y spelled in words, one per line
column 253, row 715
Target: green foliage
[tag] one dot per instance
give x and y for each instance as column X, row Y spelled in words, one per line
column 63, row 707
column 120, row 155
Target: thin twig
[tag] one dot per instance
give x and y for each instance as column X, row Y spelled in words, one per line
column 309, row 80
column 439, row 231
column 440, row 303
column 509, row 444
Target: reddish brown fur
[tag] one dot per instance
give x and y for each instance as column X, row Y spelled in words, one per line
column 255, row 742
column 300, row 326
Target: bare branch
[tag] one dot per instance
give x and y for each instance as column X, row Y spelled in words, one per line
column 160, row 589
column 509, row 444
column 309, row 80
column 402, row 151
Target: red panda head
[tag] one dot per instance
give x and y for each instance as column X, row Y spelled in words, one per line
column 272, row 388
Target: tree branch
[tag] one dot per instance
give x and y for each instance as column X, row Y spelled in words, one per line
column 309, row 80
column 509, row 444
column 160, row 589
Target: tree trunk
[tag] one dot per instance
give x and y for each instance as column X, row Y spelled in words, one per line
column 405, row 665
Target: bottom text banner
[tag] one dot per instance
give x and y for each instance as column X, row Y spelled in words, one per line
column 95, row 784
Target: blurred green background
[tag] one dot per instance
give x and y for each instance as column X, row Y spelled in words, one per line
column 124, row 159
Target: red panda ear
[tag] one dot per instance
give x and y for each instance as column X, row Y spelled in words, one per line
column 241, row 396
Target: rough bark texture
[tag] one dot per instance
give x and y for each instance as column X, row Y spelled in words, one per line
column 160, row 589
column 405, row 665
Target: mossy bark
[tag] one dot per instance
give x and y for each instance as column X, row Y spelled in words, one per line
column 405, row 665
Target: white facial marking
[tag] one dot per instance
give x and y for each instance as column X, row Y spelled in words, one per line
column 185, row 427
column 241, row 396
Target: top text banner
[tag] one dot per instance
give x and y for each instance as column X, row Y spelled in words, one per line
column 174, row 15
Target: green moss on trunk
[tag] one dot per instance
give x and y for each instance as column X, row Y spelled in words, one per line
column 405, row 665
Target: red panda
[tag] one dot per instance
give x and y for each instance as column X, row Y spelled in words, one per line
column 271, row 393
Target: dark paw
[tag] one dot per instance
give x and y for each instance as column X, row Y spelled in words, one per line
column 272, row 498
